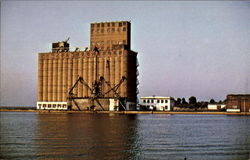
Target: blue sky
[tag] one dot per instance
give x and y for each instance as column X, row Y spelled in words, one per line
column 186, row 48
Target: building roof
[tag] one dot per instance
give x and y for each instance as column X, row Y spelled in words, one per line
column 109, row 22
column 216, row 104
column 156, row 97
column 238, row 95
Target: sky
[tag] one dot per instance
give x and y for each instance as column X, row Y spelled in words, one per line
column 185, row 48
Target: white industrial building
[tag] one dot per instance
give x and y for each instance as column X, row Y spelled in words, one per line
column 216, row 106
column 112, row 103
column 158, row 103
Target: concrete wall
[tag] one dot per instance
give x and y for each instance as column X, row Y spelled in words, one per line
column 52, row 105
column 108, row 104
column 57, row 72
column 106, row 35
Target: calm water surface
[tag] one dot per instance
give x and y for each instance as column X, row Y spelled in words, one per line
column 25, row 135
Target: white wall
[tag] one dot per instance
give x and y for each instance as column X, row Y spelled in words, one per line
column 215, row 106
column 160, row 105
column 233, row 110
column 52, row 105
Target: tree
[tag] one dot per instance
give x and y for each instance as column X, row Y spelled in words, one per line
column 212, row 101
column 178, row 101
column 183, row 101
column 225, row 101
column 192, row 100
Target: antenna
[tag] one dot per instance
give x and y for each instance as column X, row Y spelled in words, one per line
column 67, row 40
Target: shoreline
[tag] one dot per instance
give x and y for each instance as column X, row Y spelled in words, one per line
column 126, row 112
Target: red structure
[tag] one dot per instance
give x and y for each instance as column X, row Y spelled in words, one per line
column 238, row 102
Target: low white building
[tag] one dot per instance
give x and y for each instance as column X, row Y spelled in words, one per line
column 113, row 105
column 215, row 106
column 158, row 103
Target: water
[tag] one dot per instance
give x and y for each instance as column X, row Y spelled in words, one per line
column 30, row 135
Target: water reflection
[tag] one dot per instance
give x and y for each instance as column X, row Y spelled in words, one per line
column 208, row 137
column 17, row 131
column 90, row 136
column 106, row 136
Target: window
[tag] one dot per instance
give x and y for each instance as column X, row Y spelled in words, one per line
column 64, row 106
column 108, row 24
column 144, row 101
column 234, row 107
column 166, row 101
column 152, row 101
column 44, row 105
column 98, row 25
column 54, row 105
column 148, row 101
column 124, row 29
column 120, row 24
column 49, row 106
column 124, row 23
column 102, row 24
column 162, row 101
column 113, row 24
column 113, row 29
column 59, row 105
column 158, row 101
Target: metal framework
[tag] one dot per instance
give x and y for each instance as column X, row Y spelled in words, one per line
column 96, row 89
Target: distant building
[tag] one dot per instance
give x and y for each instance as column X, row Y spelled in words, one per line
column 216, row 107
column 238, row 103
column 158, row 103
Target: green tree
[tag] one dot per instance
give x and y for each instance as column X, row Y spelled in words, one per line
column 212, row 101
column 192, row 100
column 178, row 101
column 183, row 101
